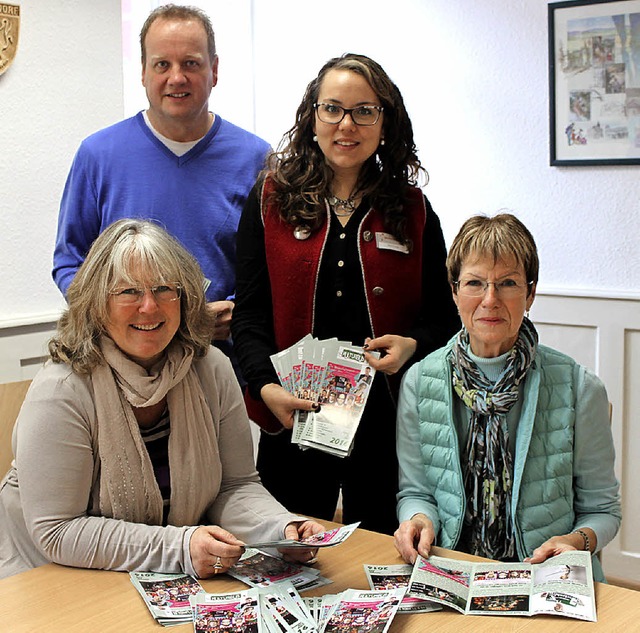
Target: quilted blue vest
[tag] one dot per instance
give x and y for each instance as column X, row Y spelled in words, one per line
column 542, row 496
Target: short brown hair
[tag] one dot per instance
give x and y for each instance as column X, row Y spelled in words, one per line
column 109, row 262
column 502, row 237
column 177, row 12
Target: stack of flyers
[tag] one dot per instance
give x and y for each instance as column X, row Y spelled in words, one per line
column 238, row 612
column 314, row 606
column 359, row 611
column 329, row 538
column 393, row 577
column 284, row 610
column 167, row 595
column 278, row 609
column 258, row 569
column 334, row 374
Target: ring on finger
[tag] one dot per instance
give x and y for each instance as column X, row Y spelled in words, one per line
column 218, row 564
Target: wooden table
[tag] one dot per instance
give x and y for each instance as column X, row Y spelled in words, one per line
column 60, row 599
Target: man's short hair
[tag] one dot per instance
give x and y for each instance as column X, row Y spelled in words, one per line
column 178, row 12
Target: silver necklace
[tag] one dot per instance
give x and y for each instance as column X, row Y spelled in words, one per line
column 342, row 207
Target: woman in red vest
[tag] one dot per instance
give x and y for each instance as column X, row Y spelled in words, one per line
column 336, row 240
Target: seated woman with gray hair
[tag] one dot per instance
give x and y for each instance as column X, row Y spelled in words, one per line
column 504, row 445
column 132, row 448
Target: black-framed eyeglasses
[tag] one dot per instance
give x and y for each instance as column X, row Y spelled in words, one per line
column 506, row 288
column 162, row 293
column 362, row 115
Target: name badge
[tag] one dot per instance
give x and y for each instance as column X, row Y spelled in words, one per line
column 386, row 242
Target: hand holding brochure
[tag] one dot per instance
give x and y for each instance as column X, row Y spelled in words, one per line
column 334, row 374
column 323, row 539
column 562, row 585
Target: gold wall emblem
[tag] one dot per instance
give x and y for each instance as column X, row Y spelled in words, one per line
column 9, row 32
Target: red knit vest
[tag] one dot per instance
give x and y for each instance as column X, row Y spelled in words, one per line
column 392, row 280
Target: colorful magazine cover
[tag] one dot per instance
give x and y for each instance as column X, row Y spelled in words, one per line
column 237, row 612
column 166, row 595
column 364, row 611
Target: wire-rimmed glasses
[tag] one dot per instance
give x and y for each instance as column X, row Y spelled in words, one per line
column 505, row 288
column 133, row 295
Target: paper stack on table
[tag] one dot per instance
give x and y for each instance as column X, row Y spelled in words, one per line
column 280, row 609
column 167, row 595
column 355, row 610
column 259, row 569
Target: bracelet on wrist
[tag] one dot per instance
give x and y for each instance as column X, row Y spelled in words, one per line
column 585, row 538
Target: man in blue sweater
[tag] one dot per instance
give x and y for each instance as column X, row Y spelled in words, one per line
column 176, row 163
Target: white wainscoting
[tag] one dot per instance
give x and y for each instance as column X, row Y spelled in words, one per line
column 23, row 348
column 602, row 333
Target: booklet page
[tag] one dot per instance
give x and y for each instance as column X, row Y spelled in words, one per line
column 562, row 585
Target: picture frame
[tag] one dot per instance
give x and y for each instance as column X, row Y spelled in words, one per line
column 594, row 82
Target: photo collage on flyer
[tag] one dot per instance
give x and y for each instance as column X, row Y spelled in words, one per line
column 562, row 585
column 334, row 374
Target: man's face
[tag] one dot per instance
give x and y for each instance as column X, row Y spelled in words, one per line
column 178, row 76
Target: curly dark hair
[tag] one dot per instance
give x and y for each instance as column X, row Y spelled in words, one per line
column 303, row 178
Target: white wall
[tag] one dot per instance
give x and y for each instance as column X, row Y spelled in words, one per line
column 474, row 78
column 65, row 82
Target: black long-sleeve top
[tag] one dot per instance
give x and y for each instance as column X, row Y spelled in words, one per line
column 340, row 303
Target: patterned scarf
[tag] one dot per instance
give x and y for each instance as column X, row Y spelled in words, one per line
column 487, row 461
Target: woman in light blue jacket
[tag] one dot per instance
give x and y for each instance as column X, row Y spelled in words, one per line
column 504, row 445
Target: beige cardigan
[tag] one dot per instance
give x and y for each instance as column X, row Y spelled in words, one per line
column 49, row 499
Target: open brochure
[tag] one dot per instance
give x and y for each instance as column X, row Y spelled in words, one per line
column 398, row 577
column 562, row 585
column 334, row 374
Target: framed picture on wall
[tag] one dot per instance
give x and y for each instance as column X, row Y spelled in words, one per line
column 594, row 82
